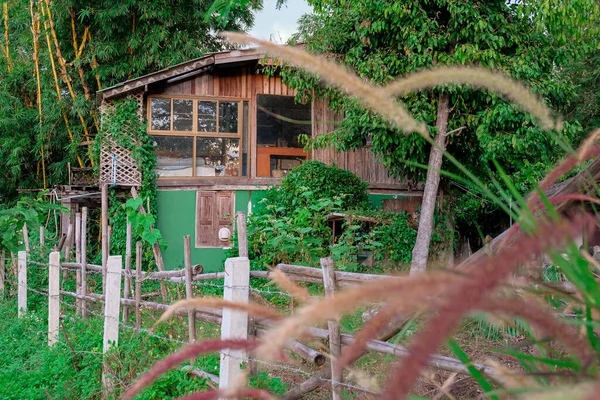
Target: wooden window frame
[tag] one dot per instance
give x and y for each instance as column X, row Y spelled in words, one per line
column 194, row 134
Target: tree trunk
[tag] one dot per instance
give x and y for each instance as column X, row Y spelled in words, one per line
column 421, row 250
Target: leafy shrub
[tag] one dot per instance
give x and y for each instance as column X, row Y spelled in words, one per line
column 323, row 181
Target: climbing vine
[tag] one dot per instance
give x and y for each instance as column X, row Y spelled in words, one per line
column 126, row 129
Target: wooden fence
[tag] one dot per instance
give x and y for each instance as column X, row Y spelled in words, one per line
column 122, row 294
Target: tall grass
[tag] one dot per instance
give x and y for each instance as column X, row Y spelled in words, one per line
column 567, row 350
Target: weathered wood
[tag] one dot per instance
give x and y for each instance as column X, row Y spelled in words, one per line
column 53, row 297
column 26, row 238
column 335, row 344
column 202, row 314
column 83, row 246
column 242, row 234
column 234, row 324
column 200, row 374
column 2, row 273
column 155, row 248
column 104, row 219
column 307, row 353
column 138, row 284
column 189, row 293
column 22, row 283
column 127, row 285
column 78, row 260
column 61, row 243
column 112, row 306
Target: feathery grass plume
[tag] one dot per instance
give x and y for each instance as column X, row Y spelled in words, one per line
column 565, row 166
column 588, row 143
column 217, row 302
column 281, row 279
column 190, row 351
column 509, row 378
column 480, row 78
column 412, row 290
column 245, row 393
column 469, row 294
column 370, row 96
column 538, row 315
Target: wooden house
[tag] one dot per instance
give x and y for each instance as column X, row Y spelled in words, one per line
column 223, row 133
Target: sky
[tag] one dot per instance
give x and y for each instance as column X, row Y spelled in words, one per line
column 278, row 25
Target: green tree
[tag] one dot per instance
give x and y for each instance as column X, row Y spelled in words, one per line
column 90, row 45
column 384, row 40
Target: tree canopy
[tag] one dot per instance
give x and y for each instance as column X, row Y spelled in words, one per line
column 64, row 51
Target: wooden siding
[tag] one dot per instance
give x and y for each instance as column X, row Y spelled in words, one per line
column 243, row 82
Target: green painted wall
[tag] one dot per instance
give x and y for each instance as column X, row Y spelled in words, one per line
column 176, row 218
column 376, row 199
column 177, row 215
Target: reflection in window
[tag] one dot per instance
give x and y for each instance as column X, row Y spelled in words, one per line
column 161, row 114
column 280, row 121
column 217, row 157
column 207, row 116
column 228, row 117
column 174, row 155
column 183, row 112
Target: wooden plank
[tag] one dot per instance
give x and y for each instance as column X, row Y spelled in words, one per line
column 127, row 286
column 277, row 90
column 22, row 283
column 53, row 298
column 335, row 344
column 104, row 217
column 189, row 293
column 83, row 289
column 265, row 80
column 138, row 284
column 78, row 260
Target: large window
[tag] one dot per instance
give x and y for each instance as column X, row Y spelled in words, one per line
column 280, row 122
column 199, row 137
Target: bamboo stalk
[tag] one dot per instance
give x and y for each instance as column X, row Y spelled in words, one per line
column 35, row 29
column 6, row 41
column 66, row 78
column 57, row 86
column 72, row 11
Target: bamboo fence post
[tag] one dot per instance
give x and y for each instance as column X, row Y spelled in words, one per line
column 112, row 305
column 26, row 238
column 335, row 342
column 155, row 249
column 2, row 274
column 234, row 323
column 189, row 293
column 127, row 287
column 78, row 260
column 104, row 233
column 138, row 284
column 22, row 281
column 83, row 245
column 53, row 297
column 42, row 239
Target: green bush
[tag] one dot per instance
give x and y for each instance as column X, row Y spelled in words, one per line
column 325, row 182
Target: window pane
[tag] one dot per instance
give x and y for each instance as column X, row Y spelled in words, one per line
column 207, row 116
column 182, row 115
column 217, row 157
column 161, row 114
column 174, row 155
column 280, row 122
column 274, row 128
column 228, row 117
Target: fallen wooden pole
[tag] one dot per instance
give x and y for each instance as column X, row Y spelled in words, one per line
column 307, row 353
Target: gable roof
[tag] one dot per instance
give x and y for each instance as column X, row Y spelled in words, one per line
column 183, row 70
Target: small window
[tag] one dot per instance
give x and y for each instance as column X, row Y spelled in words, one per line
column 200, row 137
column 161, row 114
column 183, row 119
